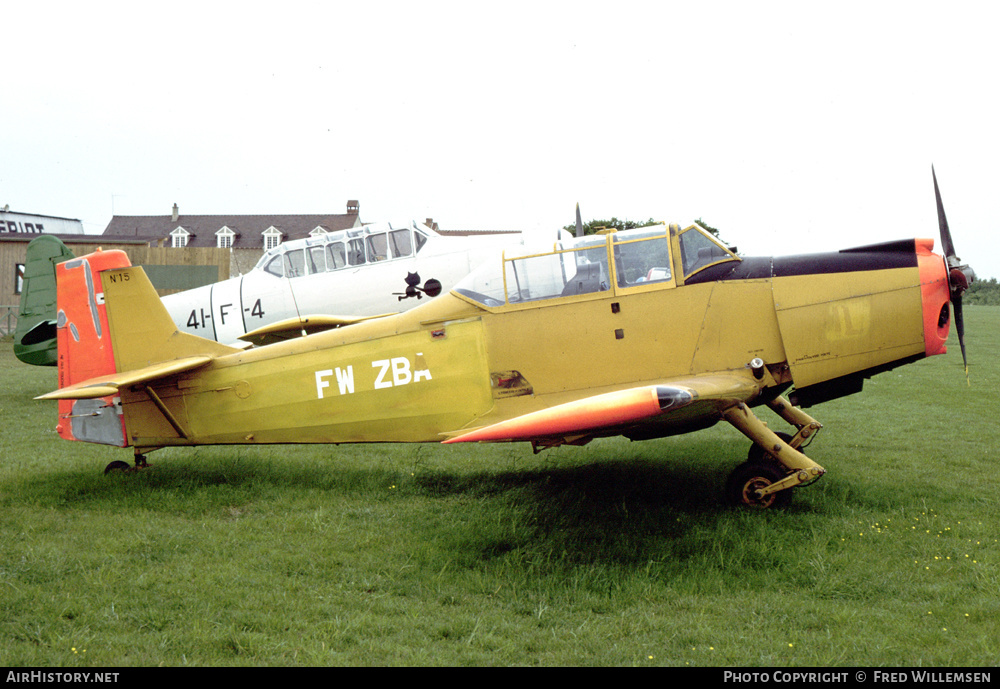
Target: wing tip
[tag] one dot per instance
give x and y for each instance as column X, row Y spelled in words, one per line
column 85, row 393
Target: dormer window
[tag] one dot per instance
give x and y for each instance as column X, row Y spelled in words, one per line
column 272, row 238
column 179, row 238
column 317, row 232
column 224, row 238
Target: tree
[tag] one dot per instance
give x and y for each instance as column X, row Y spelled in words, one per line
column 983, row 292
column 618, row 225
column 614, row 224
column 711, row 230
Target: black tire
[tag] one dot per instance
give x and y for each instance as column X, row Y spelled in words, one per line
column 751, row 476
column 117, row 466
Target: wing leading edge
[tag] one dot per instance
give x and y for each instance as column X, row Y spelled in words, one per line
column 691, row 401
column 290, row 328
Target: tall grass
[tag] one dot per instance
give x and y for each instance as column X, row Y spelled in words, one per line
column 616, row 553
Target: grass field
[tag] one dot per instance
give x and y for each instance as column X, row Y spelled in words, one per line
column 616, row 553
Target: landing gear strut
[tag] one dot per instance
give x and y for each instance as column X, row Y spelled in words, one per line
column 775, row 463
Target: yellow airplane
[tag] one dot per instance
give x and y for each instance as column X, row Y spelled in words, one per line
column 643, row 333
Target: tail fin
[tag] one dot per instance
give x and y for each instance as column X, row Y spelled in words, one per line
column 35, row 335
column 142, row 331
column 111, row 321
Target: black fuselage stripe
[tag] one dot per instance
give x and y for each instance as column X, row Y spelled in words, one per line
column 851, row 261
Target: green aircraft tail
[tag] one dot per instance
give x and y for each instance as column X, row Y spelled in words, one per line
column 35, row 334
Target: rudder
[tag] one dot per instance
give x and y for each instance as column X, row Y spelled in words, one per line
column 84, row 348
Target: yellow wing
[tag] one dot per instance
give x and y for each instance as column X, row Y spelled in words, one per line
column 299, row 326
column 649, row 410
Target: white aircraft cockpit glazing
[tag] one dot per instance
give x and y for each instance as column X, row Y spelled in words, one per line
column 356, row 272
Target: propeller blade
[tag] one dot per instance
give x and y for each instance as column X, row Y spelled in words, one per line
column 956, row 302
column 579, row 223
column 959, row 276
column 947, row 246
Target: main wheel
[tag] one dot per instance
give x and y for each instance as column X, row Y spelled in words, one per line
column 750, row 477
column 117, row 466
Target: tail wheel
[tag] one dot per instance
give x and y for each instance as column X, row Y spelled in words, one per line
column 748, row 478
column 119, row 466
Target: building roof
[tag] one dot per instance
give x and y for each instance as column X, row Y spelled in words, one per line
column 472, row 233
column 248, row 229
column 73, row 239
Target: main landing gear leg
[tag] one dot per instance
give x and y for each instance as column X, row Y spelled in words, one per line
column 775, row 463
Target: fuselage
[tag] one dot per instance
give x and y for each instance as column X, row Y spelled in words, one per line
column 532, row 330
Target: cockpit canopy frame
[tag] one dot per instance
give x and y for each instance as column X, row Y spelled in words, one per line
column 642, row 259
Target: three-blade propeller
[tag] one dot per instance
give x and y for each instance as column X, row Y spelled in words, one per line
column 960, row 275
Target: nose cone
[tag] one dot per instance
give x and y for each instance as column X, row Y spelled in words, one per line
column 935, row 296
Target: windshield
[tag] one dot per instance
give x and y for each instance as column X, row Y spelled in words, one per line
column 699, row 249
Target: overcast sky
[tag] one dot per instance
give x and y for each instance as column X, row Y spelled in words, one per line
column 790, row 126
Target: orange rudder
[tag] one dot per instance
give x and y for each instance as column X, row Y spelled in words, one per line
column 85, row 348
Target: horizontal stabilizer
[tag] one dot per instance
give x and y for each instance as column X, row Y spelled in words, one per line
column 109, row 384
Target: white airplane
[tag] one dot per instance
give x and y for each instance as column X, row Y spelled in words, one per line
column 331, row 280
